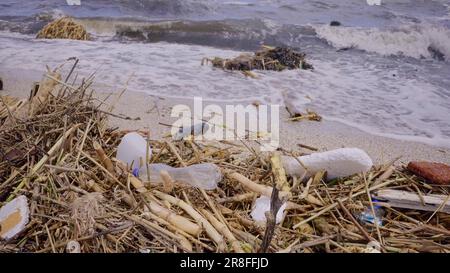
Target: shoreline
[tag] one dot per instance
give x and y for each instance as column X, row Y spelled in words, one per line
column 324, row 135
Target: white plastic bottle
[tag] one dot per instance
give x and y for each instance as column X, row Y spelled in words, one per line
column 132, row 150
column 204, row 176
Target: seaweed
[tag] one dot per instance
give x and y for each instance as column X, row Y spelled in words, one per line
column 64, row 28
column 267, row 58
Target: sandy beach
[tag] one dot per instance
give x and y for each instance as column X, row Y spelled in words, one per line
column 187, row 126
column 154, row 113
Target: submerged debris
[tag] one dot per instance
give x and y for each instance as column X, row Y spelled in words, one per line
column 63, row 28
column 268, row 58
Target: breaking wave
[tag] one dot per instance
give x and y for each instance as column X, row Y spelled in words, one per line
column 236, row 34
column 417, row 41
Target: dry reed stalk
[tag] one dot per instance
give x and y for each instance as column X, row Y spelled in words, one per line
column 176, row 220
column 235, row 244
column 168, row 183
column 279, row 173
column 104, row 159
column 209, row 229
column 52, row 158
column 335, row 204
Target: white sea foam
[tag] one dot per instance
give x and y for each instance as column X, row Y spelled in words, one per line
column 363, row 94
column 412, row 41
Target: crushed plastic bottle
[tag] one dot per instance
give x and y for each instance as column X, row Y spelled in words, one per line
column 132, row 149
column 367, row 216
column 204, row 176
column 195, row 130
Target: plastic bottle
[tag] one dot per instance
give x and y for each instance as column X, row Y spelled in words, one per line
column 132, row 149
column 204, row 176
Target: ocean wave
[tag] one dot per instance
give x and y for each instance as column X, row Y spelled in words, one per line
column 165, row 7
column 237, row 34
column 386, row 95
column 417, row 41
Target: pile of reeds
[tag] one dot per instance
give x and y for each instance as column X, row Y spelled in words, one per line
column 63, row 28
column 268, row 58
column 59, row 152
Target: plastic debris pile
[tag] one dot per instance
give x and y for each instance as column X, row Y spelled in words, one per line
column 62, row 189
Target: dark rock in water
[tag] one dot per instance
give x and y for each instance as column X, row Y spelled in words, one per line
column 1, row 84
column 345, row 48
column 335, row 23
column 132, row 34
column 436, row 54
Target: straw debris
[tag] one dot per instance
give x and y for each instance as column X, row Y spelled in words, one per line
column 84, row 200
column 267, row 58
column 64, row 28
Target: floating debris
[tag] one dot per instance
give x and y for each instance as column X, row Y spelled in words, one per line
column 297, row 112
column 309, row 115
column 64, row 28
column 268, row 58
column 335, row 23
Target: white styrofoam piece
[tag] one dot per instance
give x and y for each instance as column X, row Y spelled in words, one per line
column 338, row 163
column 262, row 205
column 19, row 203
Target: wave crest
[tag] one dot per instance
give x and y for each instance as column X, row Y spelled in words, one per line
column 417, row 41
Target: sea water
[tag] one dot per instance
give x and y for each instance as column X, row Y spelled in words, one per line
column 385, row 70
